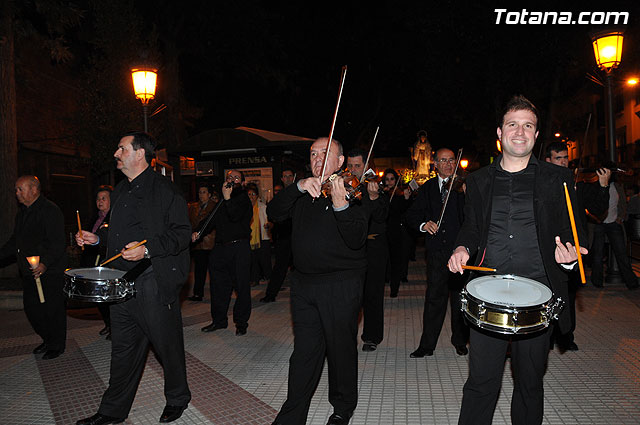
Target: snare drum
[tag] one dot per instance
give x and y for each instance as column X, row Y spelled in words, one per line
column 509, row 304
column 97, row 284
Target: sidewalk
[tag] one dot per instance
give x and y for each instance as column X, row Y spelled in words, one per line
column 243, row 380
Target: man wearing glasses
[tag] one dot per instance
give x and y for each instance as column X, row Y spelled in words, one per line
column 231, row 256
column 441, row 283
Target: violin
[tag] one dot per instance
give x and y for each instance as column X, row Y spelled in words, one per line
column 590, row 175
column 352, row 184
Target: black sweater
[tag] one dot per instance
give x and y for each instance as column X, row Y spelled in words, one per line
column 323, row 241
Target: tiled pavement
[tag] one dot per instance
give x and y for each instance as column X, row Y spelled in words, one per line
column 242, row 380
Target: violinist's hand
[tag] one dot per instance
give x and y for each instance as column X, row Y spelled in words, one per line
column 407, row 194
column 194, row 236
column 430, row 227
column 567, row 254
column 459, row 258
column 312, row 186
column 134, row 254
column 338, row 193
column 83, row 237
column 604, row 174
column 373, row 189
column 226, row 191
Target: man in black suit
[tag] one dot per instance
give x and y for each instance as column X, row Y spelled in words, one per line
column 516, row 221
column 145, row 206
column 423, row 215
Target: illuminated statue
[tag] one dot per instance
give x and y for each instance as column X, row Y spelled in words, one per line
column 421, row 155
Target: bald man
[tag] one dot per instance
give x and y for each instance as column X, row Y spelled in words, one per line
column 39, row 230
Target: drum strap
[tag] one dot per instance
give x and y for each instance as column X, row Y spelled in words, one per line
column 137, row 270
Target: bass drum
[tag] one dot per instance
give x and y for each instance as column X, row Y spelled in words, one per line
column 97, row 284
column 509, row 304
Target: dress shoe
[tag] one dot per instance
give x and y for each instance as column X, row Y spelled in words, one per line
column 393, row 294
column 52, row 354
column 105, row 330
column 213, row 327
column 267, row 299
column 40, row 349
column 253, row 284
column 572, row 346
column 633, row 287
column 339, row 419
column 99, row 419
column 195, row 298
column 241, row 331
column 369, row 346
column 462, row 350
column 171, row 413
column 421, row 352
column 597, row 285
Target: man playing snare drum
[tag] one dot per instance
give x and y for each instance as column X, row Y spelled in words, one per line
column 145, row 206
column 516, row 221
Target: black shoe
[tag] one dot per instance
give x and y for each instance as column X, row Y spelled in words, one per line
column 393, row 294
column 339, row 419
column 195, row 298
column 108, row 337
column 40, row 349
column 421, row 352
column 99, row 419
column 105, row 330
column 267, row 299
column 213, row 327
column 462, row 350
column 404, row 280
column 597, row 285
column 241, row 331
column 52, row 354
column 171, row 413
column 572, row 346
column 633, row 287
column 369, row 346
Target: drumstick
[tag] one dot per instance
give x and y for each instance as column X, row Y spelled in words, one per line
column 575, row 233
column 79, row 226
column 479, row 269
column 120, row 255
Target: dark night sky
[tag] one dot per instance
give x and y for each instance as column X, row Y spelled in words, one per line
column 445, row 68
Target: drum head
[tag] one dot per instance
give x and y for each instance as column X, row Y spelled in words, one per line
column 95, row 273
column 509, row 290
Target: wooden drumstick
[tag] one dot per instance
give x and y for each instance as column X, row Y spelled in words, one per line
column 120, row 255
column 479, row 269
column 575, row 233
column 79, row 226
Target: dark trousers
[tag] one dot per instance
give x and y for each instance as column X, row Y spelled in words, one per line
column 487, row 353
column 565, row 339
column 399, row 247
column 283, row 260
column 325, row 324
column 615, row 234
column 373, row 295
column 48, row 319
column 261, row 261
column 200, row 267
column 229, row 266
column 103, row 308
column 135, row 324
column 442, row 285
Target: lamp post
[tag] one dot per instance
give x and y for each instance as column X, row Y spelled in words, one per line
column 144, row 86
column 607, row 47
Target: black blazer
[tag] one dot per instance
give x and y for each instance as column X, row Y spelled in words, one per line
column 551, row 215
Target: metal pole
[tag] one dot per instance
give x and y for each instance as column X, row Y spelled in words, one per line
column 145, row 110
column 611, row 122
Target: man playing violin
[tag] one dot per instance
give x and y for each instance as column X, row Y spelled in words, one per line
column 376, row 203
column 516, row 221
column 328, row 242
column 442, row 285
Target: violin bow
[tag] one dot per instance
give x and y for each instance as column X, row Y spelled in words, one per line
column 394, row 189
column 333, row 124
column 451, row 180
column 364, row 170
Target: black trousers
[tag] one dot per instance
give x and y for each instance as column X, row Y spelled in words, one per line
column 442, row 285
column 373, row 296
column 325, row 324
column 200, row 267
column 229, row 266
column 615, row 234
column 48, row 319
column 136, row 323
column 282, row 248
column 399, row 247
column 487, row 353
column 261, row 262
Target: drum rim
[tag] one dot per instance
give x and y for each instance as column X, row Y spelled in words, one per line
column 512, row 277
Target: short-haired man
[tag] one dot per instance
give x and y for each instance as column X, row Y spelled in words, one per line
column 145, row 206
column 442, row 285
column 377, row 207
column 230, row 260
column 199, row 211
column 330, row 260
column 516, row 221
column 39, row 230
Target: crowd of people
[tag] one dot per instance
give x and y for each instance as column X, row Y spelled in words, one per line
column 338, row 245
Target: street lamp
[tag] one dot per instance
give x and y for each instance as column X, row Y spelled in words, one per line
column 144, row 86
column 607, row 47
